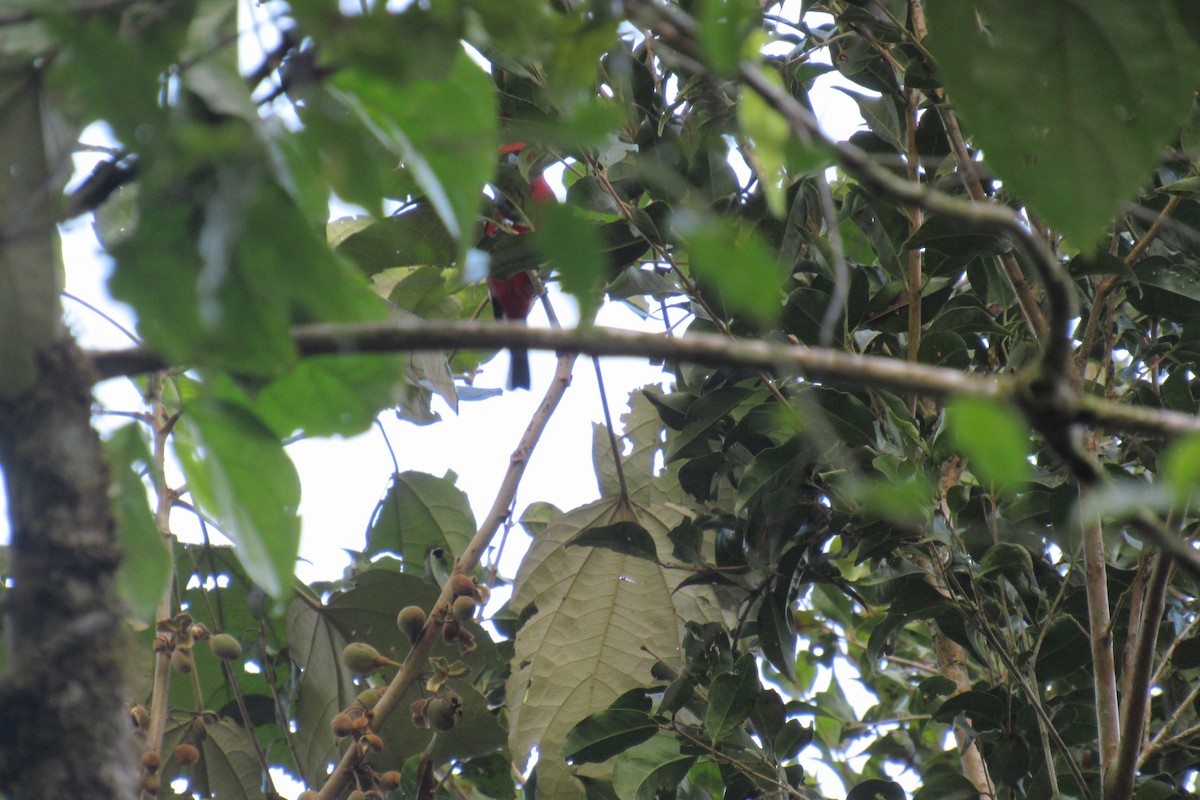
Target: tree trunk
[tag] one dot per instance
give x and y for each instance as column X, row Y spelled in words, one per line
column 64, row 729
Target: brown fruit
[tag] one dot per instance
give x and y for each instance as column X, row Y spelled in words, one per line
column 182, row 660
column 463, row 586
column 361, row 659
column 225, row 647
column 360, row 724
column 375, row 794
column 374, row 742
column 186, row 755
column 390, row 781
column 151, row 761
column 151, row 783
column 342, row 725
column 463, row 608
column 357, row 794
column 411, row 621
column 451, row 631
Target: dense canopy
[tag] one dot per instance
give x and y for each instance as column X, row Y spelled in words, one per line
column 909, row 514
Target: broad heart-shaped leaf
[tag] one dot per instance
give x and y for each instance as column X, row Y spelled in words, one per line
column 653, row 766
column 603, row 735
column 239, row 473
column 1071, row 101
column 582, row 648
column 30, row 311
column 229, row 764
column 145, row 570
column 994, row 438
column 420, row 511
column 451, row 153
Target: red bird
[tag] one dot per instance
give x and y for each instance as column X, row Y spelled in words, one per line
column 512, row 298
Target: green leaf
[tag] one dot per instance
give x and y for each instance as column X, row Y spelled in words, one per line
column 731, row 698
column 420, row 512
column 723, row 28
column 772, row 466
column 601, row 736
column 777, row 636
column 628, row 538
column 450, row 154
column 881, row 115
column 1065, row 650
column 238, row 472
column 146, row 563
column 1056, row 96
column 735, row 261
column 877, row 790
column 221, row 282
column 570, row 241
column 1007, row 558
column 994, row 438
column 946, row 786
column 332, row 395
column 1180, row 467
column 771, row 135
column 1168, row 289
column 651, row 767
column 702, row 417
column 229, row 762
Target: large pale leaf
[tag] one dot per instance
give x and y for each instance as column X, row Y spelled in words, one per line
column 1071, row 100
column 596, row 611
column 641, row 447
column 229, row 762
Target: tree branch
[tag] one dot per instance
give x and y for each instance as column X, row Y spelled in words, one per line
column 837, row 368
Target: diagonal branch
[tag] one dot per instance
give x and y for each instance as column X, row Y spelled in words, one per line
column 465, row 563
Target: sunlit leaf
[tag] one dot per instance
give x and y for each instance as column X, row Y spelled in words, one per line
column 995, row 440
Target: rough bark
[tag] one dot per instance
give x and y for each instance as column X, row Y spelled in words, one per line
column 64, row 728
